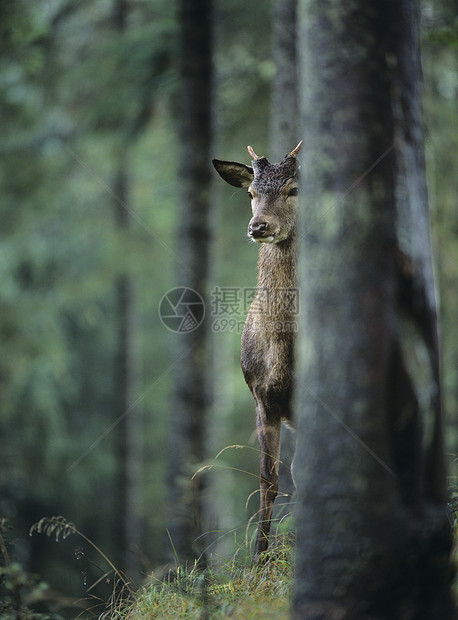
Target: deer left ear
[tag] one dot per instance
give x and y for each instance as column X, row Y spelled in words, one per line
column 238, row 175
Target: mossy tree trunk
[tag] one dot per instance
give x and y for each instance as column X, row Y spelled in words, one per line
column 373, row 539
column 190, row 401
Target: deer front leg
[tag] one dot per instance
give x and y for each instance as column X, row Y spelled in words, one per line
column 269, row 443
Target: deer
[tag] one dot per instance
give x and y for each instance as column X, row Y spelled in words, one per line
column 267, row 348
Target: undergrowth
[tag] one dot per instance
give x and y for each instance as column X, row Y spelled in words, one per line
column 229, row 589
column 220, row 589
column 23, row 596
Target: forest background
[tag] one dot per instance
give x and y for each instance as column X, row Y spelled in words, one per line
column 89, row 247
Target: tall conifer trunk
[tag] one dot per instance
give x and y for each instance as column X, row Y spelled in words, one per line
column 191, row 377
column 373, row 539
column 128, row 431
column 284, row 118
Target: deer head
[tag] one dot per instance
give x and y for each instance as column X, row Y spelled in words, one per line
column 273, row 190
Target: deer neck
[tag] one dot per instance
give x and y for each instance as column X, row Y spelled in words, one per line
column 277, row 266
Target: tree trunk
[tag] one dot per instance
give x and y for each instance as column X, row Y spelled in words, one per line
column 284, row 124
column 128, row 431
column 284, row 135
column 373, row 539
column 191, row 377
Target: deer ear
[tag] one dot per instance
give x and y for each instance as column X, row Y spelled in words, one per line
column 233, row 173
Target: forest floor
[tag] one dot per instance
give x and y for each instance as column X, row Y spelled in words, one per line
column 234, row 589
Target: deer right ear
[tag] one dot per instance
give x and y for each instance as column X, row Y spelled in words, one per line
column 234, row 173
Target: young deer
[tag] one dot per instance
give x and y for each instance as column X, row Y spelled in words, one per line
column 268, row 336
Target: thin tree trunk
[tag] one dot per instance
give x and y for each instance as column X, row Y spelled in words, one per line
column 284, row 135
column 373, row 539
column 191, row 377
column 284, row 120
column 128, row 431
column 126, row 371
column 413, row 234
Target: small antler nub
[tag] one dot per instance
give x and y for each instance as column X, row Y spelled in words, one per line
column 295, row 151
column 252, row 153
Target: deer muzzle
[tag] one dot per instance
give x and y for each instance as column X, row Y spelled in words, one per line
column 259, row 231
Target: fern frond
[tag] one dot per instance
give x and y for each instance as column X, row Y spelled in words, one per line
column 50, row 525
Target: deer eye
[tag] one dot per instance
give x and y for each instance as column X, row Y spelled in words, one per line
column 250, row 195
column 293, row 192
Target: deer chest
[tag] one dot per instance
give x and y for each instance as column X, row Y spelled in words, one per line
column 267, row 355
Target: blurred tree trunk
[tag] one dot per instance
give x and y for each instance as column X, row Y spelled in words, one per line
column 284, row 135
column 373, row 540
column 284, row 123
column 191, row 376
column 128, row 431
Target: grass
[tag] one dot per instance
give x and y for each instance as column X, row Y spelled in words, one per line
column 229, row 588
column 233, row 589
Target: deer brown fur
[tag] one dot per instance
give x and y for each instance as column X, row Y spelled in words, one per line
column 268, row 337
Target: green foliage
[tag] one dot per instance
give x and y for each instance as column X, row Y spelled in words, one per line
column 21, row 592
column 230, row 589
column 441, row 87
column 120, row 76
column 22, row 595
column 453, row 509
column 453, row 518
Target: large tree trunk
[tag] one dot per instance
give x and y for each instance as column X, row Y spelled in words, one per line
column 191, row 377
column 284, row 135
column 372, row 536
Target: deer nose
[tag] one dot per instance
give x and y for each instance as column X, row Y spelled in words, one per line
column 257, row 229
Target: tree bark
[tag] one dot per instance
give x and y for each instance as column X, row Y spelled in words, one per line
column 192, row 377
column 284, row 120
column 373, row 539
column 128, row 431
